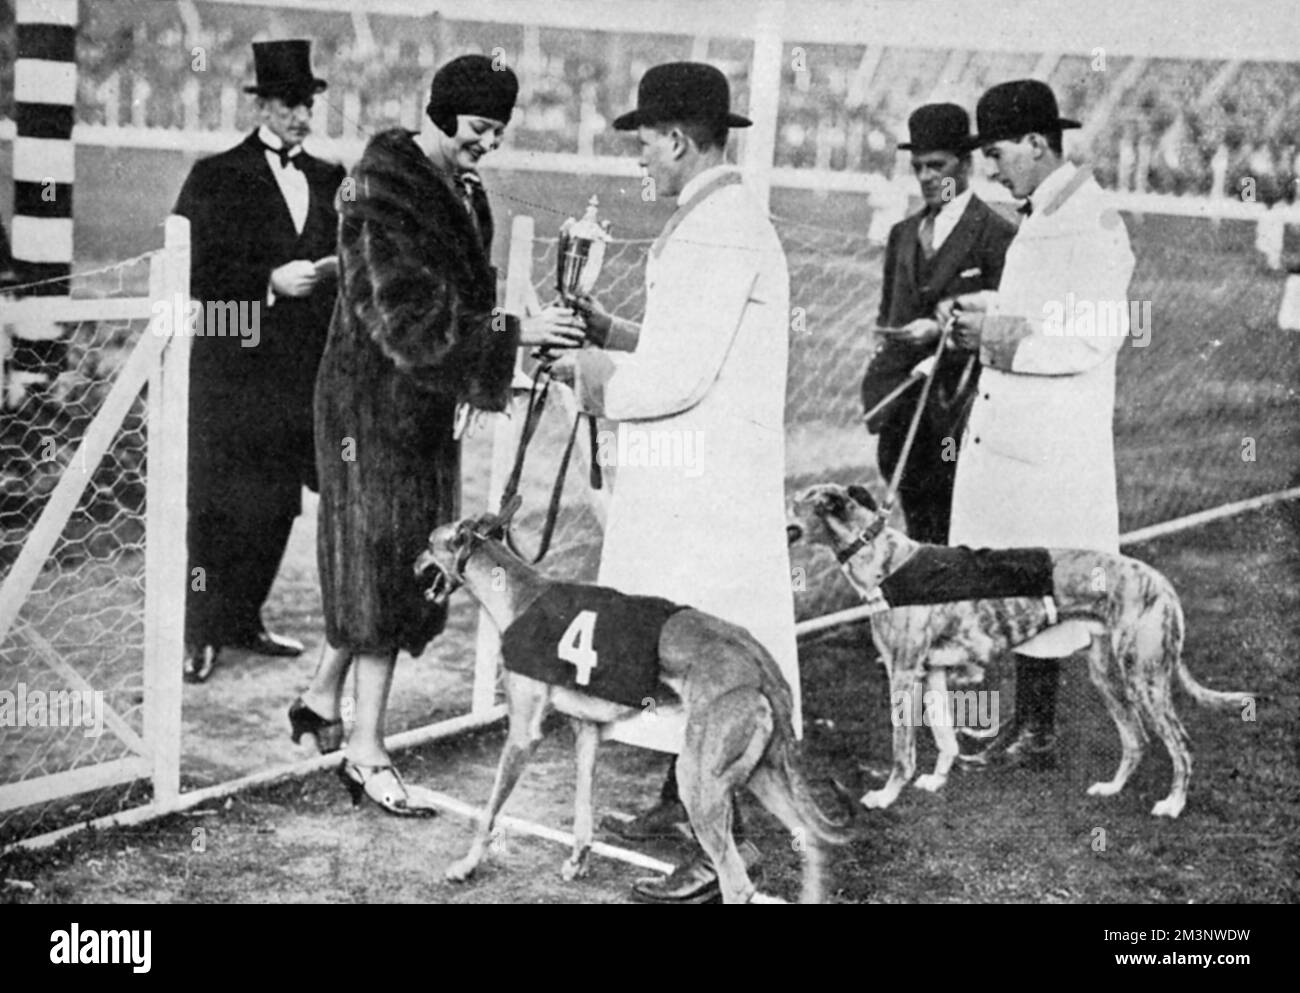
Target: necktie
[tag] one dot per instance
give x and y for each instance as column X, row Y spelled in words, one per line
column 926, row 235
column 287, row 157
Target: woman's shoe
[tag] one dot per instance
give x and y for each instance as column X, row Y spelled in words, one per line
column 383, row 785
column 304, row 720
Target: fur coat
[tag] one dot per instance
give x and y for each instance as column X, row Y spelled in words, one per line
column 414, row 332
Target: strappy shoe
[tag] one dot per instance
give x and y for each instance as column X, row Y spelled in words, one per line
column 390, row 796
column 304, row 720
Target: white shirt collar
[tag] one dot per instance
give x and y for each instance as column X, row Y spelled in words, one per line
column 272, row 139
column 702, row 179
column 949, row 214
column 1052, row 185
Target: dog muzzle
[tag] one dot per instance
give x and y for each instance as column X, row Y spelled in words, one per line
column 438, row 583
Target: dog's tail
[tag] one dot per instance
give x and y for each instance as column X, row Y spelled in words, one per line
column 1173, row 638
column 1212, row 698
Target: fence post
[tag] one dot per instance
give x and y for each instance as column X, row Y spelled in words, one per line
column 165, row 509
column 759, row 153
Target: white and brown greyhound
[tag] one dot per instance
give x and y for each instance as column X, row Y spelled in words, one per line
column 1130, row 617
column 737, row 706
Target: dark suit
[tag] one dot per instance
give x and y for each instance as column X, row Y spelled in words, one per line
column 250, row 431
column 913, row 287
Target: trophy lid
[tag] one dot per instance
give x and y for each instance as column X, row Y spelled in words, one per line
column 589, row 228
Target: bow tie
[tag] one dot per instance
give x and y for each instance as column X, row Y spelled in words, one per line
column 1026, row 208
column 287, row 157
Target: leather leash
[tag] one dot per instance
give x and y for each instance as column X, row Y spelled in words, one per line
column 537, row 395
column 892, row 493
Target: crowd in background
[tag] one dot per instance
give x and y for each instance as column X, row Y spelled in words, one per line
column 137, row 66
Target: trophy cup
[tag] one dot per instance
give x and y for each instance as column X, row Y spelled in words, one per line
column 581, row 254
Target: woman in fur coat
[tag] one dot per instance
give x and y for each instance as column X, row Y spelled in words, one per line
column 415, row 331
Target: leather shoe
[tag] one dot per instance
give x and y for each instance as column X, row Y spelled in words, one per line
column 199, row 662
column 1033, row 750
column 660, row 821
column 693, row 883
column 266, row 643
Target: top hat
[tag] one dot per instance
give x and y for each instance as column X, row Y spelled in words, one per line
column 1017, row 108
column 682, row 91
column 284, row 69
column 938, row 127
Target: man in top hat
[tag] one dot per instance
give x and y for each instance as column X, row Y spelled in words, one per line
column 263, row 229
column 707, row 376
column 1037, row 465
column 954, row 245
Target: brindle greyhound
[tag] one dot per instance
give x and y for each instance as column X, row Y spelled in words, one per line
column 737, row 705
column 1130, row 611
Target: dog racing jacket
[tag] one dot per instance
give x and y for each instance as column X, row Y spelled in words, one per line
column 592, row 639
column 941, row 574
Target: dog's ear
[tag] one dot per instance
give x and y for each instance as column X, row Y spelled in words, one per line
column 830, row 503
column 861, row 495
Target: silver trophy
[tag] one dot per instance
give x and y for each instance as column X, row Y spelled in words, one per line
column 581, row 255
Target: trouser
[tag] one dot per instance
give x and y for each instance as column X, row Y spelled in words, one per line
column 239, row 555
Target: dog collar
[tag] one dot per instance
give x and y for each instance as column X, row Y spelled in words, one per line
column 867, row 536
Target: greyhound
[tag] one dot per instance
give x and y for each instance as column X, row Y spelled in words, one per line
column 737, row 705
column 1129, row 611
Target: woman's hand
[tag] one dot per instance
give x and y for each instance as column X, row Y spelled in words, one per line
column 553, row 327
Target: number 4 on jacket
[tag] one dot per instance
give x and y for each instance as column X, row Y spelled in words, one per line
column 575, row 645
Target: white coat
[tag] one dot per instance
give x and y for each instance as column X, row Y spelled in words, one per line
column 1037, row 462
column 697, row 513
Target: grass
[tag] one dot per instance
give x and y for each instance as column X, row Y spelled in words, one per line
column 984, row 838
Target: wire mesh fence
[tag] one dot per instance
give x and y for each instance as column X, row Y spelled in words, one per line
column 71, row 662
column 1208, row 388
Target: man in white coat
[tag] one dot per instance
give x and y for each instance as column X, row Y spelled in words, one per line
column 698, row 508
column 1037, row 463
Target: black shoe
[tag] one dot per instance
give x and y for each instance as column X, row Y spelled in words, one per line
column 383, row 785
column 1033, row 750
column 199, row 662
column 304, row 720
column 664, row 820
column 693, row 883
column 266, row 643
column 986, row 752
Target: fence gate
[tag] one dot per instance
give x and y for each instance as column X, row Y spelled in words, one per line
column 92, row 549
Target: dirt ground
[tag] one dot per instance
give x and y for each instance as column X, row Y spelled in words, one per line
column 987, row 837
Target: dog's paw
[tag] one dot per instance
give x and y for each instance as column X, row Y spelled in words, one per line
column 766, row 898
column 1170, row 806
column 460, row 870
column 930, row 782
column 1108, row 788
column 877, row 799
column 574, row 869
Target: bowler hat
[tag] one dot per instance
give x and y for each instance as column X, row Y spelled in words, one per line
column 682, row 91
column 938, row 127
column 1019, row 107
column 284, row 69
